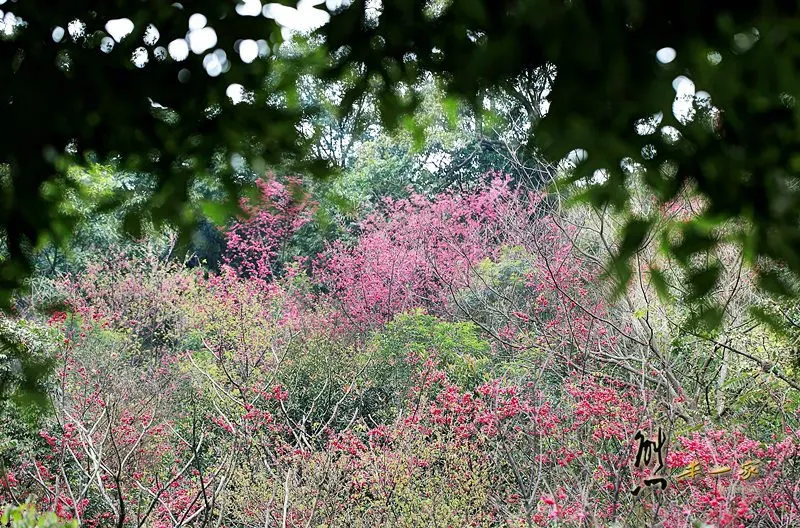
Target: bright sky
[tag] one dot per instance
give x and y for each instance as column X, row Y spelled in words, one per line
column 201, row 38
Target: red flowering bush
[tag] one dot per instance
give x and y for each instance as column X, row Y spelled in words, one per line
column 459, row 364
column 254, row 243
column 415, row 254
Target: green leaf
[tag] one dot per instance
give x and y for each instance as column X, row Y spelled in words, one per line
column 132, row 224
column 775, row 283
column 660, row 283
column 702, row 281
column 217, row 212
column 633, row 236
column 770, row 319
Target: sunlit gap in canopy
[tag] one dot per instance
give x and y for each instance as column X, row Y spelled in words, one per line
column 200, row 38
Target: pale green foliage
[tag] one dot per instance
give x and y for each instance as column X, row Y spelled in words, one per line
column 26, row 355
column 462, row 353
column 26, row 516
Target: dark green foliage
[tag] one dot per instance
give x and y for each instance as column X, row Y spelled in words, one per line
column 633, row 238
column 70, row 102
